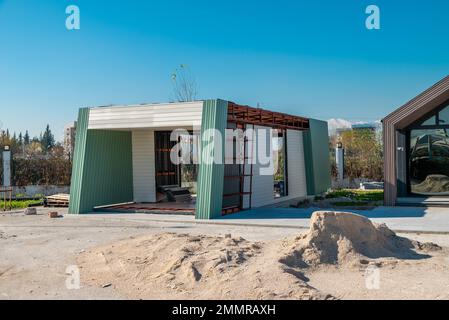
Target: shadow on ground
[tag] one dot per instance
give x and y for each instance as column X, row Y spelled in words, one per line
column 306, row 213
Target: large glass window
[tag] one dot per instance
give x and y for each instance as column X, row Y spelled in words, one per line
column 429, row 161
column 279, row 153
column 189, row 165
column 432, row 121
column 443, row 116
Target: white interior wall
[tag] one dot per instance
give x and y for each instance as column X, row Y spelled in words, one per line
column 263, row 185
column 296, row 169
column 144, row 180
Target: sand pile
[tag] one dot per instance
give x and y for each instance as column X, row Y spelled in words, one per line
column 340, row 238
column 434, row 183
column 172, row 266
column 184, row 266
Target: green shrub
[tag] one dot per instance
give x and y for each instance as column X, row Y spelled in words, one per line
column 20, row 204
column 357, row 195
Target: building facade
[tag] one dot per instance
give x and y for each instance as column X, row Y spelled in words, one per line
column 416, row 149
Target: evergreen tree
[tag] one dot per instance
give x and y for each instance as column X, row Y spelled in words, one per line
column 47, row 139
column 13, row 142
column 20, row 139
column 26, row 138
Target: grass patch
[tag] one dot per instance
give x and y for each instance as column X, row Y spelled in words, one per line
column 357, row 195
column 20, row 204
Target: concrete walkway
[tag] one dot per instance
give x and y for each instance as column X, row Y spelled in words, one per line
column 400, row 219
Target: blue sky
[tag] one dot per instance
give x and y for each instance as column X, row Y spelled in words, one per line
column 311, row 58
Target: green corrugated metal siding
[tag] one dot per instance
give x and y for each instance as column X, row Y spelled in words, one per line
column 308, row 159
column 210, row 176
column 78, row 161
column 102, row 171
column 316, row 156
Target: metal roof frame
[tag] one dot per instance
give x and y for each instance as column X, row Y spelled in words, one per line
column 257, row 116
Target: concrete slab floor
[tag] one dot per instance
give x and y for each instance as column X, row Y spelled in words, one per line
column 400, row 219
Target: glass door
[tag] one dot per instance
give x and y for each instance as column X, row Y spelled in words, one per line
column 428, row 155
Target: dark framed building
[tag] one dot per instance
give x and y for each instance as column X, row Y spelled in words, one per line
column 416, row 149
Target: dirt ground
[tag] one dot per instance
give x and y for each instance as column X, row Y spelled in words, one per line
column 35, row 252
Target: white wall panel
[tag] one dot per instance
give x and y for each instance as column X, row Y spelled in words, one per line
column 177, row 115
column 263, row 185
column 143, row 166
column 296, row 169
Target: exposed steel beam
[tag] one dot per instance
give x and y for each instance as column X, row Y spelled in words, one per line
column 257, row 116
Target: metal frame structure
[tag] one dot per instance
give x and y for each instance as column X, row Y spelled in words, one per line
column 166, row 172
column 242, row 116
column 257, row 116
column 241, row 176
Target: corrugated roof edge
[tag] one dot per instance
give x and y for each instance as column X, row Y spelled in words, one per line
column 145, row 104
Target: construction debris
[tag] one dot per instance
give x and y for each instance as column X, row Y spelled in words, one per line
column 30, row 211
column 54, row 215
column 371, row 186
column 57, row 200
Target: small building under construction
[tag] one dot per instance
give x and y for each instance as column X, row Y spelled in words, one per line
column 153, row 158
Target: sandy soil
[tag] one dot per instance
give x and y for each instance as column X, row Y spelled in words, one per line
column 340, row 257
column 35, row 252
column 181, row 266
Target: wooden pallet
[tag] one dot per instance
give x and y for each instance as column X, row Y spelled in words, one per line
column 57, row 200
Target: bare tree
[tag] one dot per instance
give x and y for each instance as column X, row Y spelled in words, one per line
column 184, row 84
